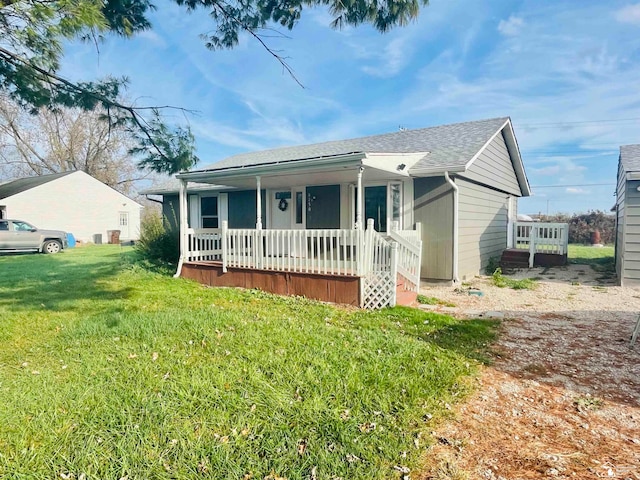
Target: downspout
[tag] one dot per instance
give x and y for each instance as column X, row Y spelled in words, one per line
column 455, row 226
column 183, row 225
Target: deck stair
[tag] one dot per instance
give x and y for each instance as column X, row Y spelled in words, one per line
column 404, row 295
column 514, row 258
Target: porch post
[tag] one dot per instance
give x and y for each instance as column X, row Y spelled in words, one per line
column 183, row 212
column 258, row 205
column 359, row 198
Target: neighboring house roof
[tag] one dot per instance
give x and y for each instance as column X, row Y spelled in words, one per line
column 14, row 187
column 630, row 158
column 445, row 146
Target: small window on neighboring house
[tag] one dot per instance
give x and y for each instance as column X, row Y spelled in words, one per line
column 209, row 212
column 124, row 219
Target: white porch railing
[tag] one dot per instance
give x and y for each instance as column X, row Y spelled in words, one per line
column 332, row 252
column 380, row 270
column 204, row 244
column 364, row 253
column 541, row 238
column 409, row 254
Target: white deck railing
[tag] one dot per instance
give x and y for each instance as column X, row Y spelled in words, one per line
column 204, row 244
column 364, row 253
column 380, row 270
column 409, row 254
column 541, row 238
column 332, row 252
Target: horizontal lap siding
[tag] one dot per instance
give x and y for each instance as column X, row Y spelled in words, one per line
column 494, row 167
column 630, row 251
column 482, row 227
column 433, row 209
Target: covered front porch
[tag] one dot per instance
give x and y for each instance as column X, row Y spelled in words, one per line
column 308, row 236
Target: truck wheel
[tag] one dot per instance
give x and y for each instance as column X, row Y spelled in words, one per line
column 51, row 246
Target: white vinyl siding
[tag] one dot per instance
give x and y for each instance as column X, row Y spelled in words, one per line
column 482, row 226
column 494, row 167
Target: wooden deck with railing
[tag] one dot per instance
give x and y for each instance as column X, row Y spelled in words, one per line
column 541, row 239
column 373, row 257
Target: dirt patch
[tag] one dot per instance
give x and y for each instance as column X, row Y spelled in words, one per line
column 562, row 399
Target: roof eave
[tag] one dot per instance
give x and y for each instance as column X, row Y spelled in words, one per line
column 205, row 176
column 435, row 171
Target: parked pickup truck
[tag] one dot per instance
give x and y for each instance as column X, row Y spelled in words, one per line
column 20, row 236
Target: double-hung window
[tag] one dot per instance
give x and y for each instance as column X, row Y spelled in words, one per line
column 209, row 212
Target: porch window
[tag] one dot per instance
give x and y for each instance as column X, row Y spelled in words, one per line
column 382, row 203
column 298, row 208
column 395, row 192
column 209, row 212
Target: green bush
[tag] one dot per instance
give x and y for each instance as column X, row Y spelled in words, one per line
column 492, row 265
column 158, row 243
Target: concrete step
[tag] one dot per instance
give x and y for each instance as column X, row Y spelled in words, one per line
column 403, row 296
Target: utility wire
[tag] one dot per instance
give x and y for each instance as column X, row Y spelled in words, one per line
column 619, row 120
column 574, row 185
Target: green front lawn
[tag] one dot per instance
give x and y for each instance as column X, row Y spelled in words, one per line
column 110, row 371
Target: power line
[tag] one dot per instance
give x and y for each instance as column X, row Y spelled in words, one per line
column 574, row 185
column 619, row 120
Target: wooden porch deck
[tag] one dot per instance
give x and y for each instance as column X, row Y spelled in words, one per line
column 340, row 289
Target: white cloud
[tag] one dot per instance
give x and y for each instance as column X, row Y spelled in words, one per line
column 153, row 37
column 577, row 191
column 511, row 27
column 393, row 59
column 629, row 14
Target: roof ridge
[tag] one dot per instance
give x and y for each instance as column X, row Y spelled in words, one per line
column 366, row 137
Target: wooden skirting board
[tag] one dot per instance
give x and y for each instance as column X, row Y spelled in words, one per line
column 327, row 288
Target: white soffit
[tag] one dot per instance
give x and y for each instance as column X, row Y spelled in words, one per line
column 398, row 163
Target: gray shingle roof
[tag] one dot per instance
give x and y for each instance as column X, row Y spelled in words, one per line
column 449, row 146
column 17, row 186
column 630, row 157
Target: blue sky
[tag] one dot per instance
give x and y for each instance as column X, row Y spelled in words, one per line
column 566, row 72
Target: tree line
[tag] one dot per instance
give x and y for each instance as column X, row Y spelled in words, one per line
column 582, row 225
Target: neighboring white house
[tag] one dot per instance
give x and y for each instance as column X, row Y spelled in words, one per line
column 74, row 202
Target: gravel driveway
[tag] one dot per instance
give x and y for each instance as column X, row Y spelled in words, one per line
column 562, row 399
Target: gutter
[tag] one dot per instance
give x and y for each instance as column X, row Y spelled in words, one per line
column 153, row 199
column 455, row 225
column 320, row 163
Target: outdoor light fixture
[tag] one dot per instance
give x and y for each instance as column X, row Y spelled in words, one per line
column 401, row 167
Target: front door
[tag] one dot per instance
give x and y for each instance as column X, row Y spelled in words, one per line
column 281, row 208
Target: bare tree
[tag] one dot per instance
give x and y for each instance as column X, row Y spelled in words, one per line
column 64, row 140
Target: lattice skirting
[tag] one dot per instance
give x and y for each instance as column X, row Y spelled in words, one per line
column 378, row 290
